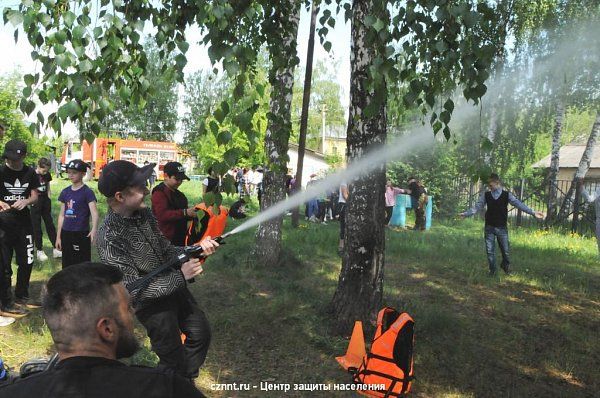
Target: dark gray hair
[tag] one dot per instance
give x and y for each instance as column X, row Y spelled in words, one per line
column 76, row 297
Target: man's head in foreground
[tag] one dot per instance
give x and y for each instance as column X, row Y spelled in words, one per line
column 87, row 309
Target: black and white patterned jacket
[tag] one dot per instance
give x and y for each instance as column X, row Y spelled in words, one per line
column 136, row 246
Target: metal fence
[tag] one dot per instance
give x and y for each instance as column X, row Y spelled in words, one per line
column 462, row 193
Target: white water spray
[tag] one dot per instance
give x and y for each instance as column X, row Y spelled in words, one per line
column 423, row 135
column 391, row 151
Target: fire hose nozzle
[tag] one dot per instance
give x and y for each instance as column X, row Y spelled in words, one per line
column 196, row 250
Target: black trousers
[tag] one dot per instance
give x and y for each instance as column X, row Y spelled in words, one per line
column 42, row 211
column 322, row 207
column 165, row 320
column 342, row 218
column 420, row 218
column 16, row 237
column 388, row 214
column 76, row 247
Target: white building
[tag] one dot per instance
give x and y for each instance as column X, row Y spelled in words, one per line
column 314, row 163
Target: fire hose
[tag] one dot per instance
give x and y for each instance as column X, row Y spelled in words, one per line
column 189, row 252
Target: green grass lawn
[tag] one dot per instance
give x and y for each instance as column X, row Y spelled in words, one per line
column 532, row 334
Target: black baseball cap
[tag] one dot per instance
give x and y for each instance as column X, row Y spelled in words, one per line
column 14, row 150
column 77, row 165
column 175, row 169
column 120, row 174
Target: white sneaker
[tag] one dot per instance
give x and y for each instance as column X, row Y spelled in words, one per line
column 6, row 320
column 56, row 253
column 41, row 255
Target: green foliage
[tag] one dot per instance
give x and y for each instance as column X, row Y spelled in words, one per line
column 552, row 61
column 157, row 119
column 325, row 91
column 334, row 160
column 82, row 59
column 222, row 130
column 432, row 48
column 89, row 50
column 13, row 120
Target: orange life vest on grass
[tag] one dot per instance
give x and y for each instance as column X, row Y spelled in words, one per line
column 390, row 361
column 215, row 227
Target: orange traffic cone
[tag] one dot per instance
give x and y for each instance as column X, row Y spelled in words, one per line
column 356, row 348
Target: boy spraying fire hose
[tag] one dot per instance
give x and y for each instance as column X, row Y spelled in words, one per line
column 130, row 240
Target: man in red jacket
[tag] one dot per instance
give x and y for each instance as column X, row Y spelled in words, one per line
column 170, row 206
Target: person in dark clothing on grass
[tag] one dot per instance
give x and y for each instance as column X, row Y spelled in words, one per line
column 496, row 200
column 42, row 211
column 418, row 201
column 88, row 311
column 212, row 182
column 18, row 190
column 238, row 210
column 129, row 239
column 170, row 205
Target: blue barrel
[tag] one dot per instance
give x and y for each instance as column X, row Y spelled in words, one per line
column 403, row 202
column 399, row 212
column 428, row 213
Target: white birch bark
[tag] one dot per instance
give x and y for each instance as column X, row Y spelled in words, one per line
column 282, row 49
column 584, row 165
column 360, row 286
column 554, row 163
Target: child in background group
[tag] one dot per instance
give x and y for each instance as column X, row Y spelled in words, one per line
column 258, row 180
column 595, row 199
column 342, row 198
column 170, row 205
column 18, row 190
column 211, row 183
column 238, row 210
column 153, row 176
column 390, row 200
column 42, row 210
column 78, row 202
column 250, row 180
column 419, row 199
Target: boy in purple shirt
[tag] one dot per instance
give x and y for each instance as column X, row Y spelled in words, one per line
column 78, row 202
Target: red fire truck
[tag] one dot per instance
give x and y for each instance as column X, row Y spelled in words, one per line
column 104, row 150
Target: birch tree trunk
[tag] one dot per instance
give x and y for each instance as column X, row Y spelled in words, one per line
column 554, row 164
column 360, row 286
column 584, row 165
column 282, row 49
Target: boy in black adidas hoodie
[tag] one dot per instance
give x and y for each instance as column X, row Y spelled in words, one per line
column 18, row 190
